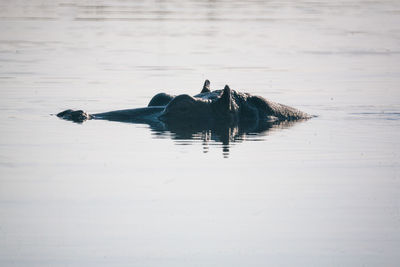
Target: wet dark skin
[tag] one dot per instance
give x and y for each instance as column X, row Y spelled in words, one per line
column 209, row 108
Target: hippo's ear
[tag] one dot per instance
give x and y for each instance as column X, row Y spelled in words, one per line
column 225, row 100
column 206, row 87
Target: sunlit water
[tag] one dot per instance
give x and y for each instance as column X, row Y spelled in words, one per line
column 323, row 192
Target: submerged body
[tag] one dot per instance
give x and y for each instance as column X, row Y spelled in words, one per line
column 208, row 109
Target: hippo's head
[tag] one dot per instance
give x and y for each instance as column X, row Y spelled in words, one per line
column 184, row 108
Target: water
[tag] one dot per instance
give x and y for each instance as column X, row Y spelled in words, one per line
column 324, row 192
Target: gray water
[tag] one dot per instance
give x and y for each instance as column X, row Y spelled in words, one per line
column 324, row 192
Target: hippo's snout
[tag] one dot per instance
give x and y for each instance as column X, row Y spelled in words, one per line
column 74, row 115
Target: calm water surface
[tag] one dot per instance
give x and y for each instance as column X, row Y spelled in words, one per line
column 325, row 192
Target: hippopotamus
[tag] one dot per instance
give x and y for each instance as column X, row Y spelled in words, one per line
column 206, row 110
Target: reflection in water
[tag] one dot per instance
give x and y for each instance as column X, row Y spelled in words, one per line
column 222, row 135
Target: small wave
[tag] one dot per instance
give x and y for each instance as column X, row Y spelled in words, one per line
column 385, row 115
